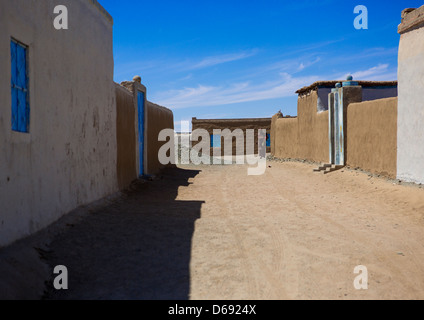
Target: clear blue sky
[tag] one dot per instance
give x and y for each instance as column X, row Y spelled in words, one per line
column 240, row 59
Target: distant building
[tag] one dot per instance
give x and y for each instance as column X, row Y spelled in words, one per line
column 217, row 140
column 364, row 124
column 371, row 90
column 330, row 129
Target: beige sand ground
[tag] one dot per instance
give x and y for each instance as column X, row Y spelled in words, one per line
column 289, row 234
column 295, row 234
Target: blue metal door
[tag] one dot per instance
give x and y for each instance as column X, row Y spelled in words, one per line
column 140, row 103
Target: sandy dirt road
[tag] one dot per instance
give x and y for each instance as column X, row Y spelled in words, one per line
column 213, row 232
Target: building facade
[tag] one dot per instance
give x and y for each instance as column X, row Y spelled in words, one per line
column 58, row 114
column 68, row 134
column 217, row 139
column 139, row 123
column 312, row 135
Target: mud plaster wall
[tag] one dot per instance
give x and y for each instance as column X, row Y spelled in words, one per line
column 69, row 157
column 312, row 129
column 272, row 132
column 372, row 136
column 304, row 137
column 286, row 138
column 126, row 137
column 233, row 124
column 158, row 118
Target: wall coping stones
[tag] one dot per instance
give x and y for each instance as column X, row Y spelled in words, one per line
column 411, row 19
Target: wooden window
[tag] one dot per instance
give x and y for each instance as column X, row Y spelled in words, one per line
column 19, row 86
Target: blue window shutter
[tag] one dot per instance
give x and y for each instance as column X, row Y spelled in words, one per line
column 13, row 58
column 215, row 141
column 21, row 76
column 19, row 87
column 22, row 126
column 14, row 90
column 268, row 140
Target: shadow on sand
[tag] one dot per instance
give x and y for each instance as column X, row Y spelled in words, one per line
column 138, row 247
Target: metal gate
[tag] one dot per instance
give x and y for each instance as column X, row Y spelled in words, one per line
column 339, row 100
column 338, row 130
column 336, row 127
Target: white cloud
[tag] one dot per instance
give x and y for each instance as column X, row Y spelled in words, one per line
column 285, row 86
column 381, row 72
column 307, row 64
column 291, row 66
column 254, row 84
column 129, row 69
column 371, row 71
column 188, row 77
column 371, row 54
column 202, row 96
column 220, row 59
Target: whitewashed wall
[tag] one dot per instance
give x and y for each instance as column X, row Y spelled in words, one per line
column 410, row 166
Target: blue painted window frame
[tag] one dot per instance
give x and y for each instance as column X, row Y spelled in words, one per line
column 19, row 87
column 215, row 141
column 268, row 140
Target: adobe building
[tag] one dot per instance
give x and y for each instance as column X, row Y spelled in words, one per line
column 139, row 123
column 410, row 157
column 314, row 134
column 58, row 115
column 217, row 140
column 381, row 132
column 371, row 90
column 68, row 134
